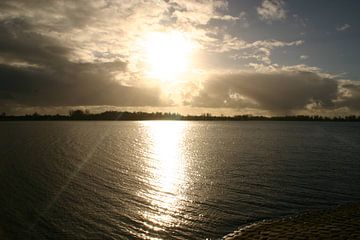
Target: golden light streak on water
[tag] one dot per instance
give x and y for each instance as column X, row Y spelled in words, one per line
column 168, row 175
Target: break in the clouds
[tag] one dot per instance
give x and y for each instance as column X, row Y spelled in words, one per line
column 176, row 54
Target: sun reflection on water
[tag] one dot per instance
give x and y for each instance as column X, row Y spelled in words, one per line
column 167, row 172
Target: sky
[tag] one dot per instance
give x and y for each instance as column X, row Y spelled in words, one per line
column 260, row 57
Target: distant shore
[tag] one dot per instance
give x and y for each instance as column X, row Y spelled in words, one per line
column 141, row 116
column 342, row 222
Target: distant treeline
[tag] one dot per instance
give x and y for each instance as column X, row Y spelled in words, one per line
column 126, row 116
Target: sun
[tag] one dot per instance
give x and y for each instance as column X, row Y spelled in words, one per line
column 167, row 55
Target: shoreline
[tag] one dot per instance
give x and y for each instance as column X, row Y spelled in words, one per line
column 341, row 222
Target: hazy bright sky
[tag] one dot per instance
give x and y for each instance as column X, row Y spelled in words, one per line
column 231, row 57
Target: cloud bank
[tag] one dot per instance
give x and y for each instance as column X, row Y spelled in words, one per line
column 35, row 70
column 278, row 92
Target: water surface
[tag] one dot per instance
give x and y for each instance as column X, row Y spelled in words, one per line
column 169, row 179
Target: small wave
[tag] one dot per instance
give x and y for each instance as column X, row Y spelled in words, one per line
column 342, row 222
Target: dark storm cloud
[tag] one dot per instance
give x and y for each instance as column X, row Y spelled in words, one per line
column 36, row 70
column 19, row 43
column 278, row 92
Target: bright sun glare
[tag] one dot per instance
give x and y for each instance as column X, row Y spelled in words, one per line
column 167, row 55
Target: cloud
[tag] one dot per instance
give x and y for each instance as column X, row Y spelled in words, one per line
column 258, row 50
column 304, row 57
column 38, row 72
column 87, row 53
column 278, row 92
column 110, row 30
column 90, row 28
column 226, row 18
column 343, row 27
column 63, row 53
column 349, row 94
column 229, row 43
column 272, row 10
column 241, row 16
column 197, row 12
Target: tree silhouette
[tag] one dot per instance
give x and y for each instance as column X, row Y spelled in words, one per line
column 79, row 114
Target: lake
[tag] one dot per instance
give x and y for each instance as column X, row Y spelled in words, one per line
column 169, row 179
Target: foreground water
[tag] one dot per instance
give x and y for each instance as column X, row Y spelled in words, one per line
column 180, row 180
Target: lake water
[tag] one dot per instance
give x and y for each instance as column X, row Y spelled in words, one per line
column 169, row 179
